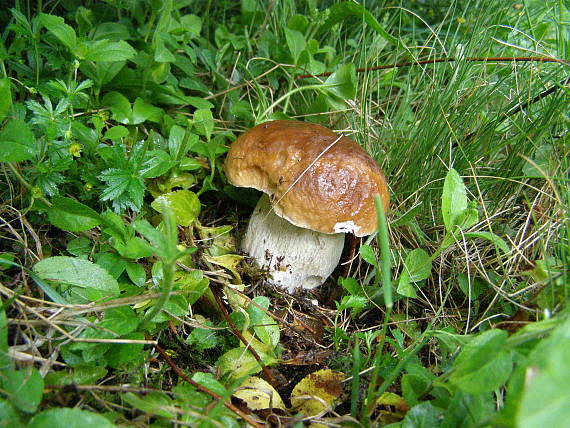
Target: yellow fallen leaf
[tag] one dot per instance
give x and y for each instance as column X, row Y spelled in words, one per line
column 317, row 392
column 259, row 395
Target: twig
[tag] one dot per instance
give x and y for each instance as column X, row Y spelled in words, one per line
column 205, row 390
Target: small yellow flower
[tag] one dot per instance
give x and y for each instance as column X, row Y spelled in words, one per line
column 36, row 192
column 87, row 187
column 75, row 150
column 461, row 20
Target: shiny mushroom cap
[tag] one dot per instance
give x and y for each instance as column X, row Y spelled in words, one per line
column 317, row 179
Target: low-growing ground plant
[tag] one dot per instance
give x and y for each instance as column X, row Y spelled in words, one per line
column 124, row 297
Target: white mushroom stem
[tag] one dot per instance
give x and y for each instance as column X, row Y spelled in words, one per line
column 294, row 257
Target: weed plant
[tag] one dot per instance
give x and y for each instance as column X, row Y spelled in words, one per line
column 124, row 297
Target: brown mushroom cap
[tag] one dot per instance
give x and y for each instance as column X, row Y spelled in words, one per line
column 318, row 179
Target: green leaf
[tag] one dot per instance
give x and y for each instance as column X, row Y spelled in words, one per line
column 209, row 381
column 341, row 85
column 184, row 203
column 497, row 240
column 483, row 365
column 454, row 199
column 143, row 111
column 17, row 141
column 266, row 329
column 204, row 122
column 368, row 255
column 296, row 43
column 238, row 362
column 465, row 410
column 177, row 145
column 155, row 403
column 192, row 24
column 405, row 286
column 57, row 26
column 157, row 163
column 9, row 416
column 122, row 320
column 203, row 338
column 5, row 361
column 78, row 273
column 71, row 215
column 116, row 132
column 80, row 375
column 119, row 105
column 341, row 11
column 69, row 418
column 546, row 398
column 136, row 273
column 424, row 415
column 5, row 97
column 24, row 388
column 104, row 51
column 112, row 263
column 417, row 265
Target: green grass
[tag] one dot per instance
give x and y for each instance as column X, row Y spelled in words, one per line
column 115, row 109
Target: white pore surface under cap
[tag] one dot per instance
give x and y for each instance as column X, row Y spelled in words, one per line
column 294, row 257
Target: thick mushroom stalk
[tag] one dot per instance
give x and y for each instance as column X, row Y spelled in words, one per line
column 294, row 257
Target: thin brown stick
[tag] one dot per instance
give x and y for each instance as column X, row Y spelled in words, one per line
column 205, row 390
column 450, row 59
column 267, row 373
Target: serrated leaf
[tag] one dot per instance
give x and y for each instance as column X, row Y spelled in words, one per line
column 258, row 394
column 184, row 203
column 317, row 392
column 57, row 26
column 71, row 215
column 17, row 142
column 79, row 273
column 69, row 418
column 157, row 163
column 453, row 200
column 122, row 183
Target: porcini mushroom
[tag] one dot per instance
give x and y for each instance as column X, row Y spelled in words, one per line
column 318, row 185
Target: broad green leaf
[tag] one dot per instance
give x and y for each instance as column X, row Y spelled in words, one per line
column 57, row 26
column 80, row 375
column 368, row 255
column 155, row 403
column 122, row 320
column 424, row 415
column 104, row 51
column 417, row 265
column 78, row 273
column 203, row 338
column 454, row 199
column 341, row 85
column 143, row 111
column 177, row 144
column 119, row 105
column 17, row 141
column 71, row 215
column 135, row 248
column 194, row 283
column 265, row 327
column 192, row 24
column 5, row 97
column 112, row 263
column 157, row 163
column 184, row 203
column 209, row 381
column 116, row 133
column 405, row 286
column 466, row 410
column 69, row 418
column 489, row 236
column 341, row 11
column 24, row 388
column 296, row 43
column 136, row 273
column 120, row 354
column 484, row 364
column 204, row 122
column 9, row 416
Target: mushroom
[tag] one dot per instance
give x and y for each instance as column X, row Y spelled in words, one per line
column 318, row 186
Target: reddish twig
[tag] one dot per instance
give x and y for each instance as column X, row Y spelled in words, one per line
column 205, row 390
column 450, row 59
